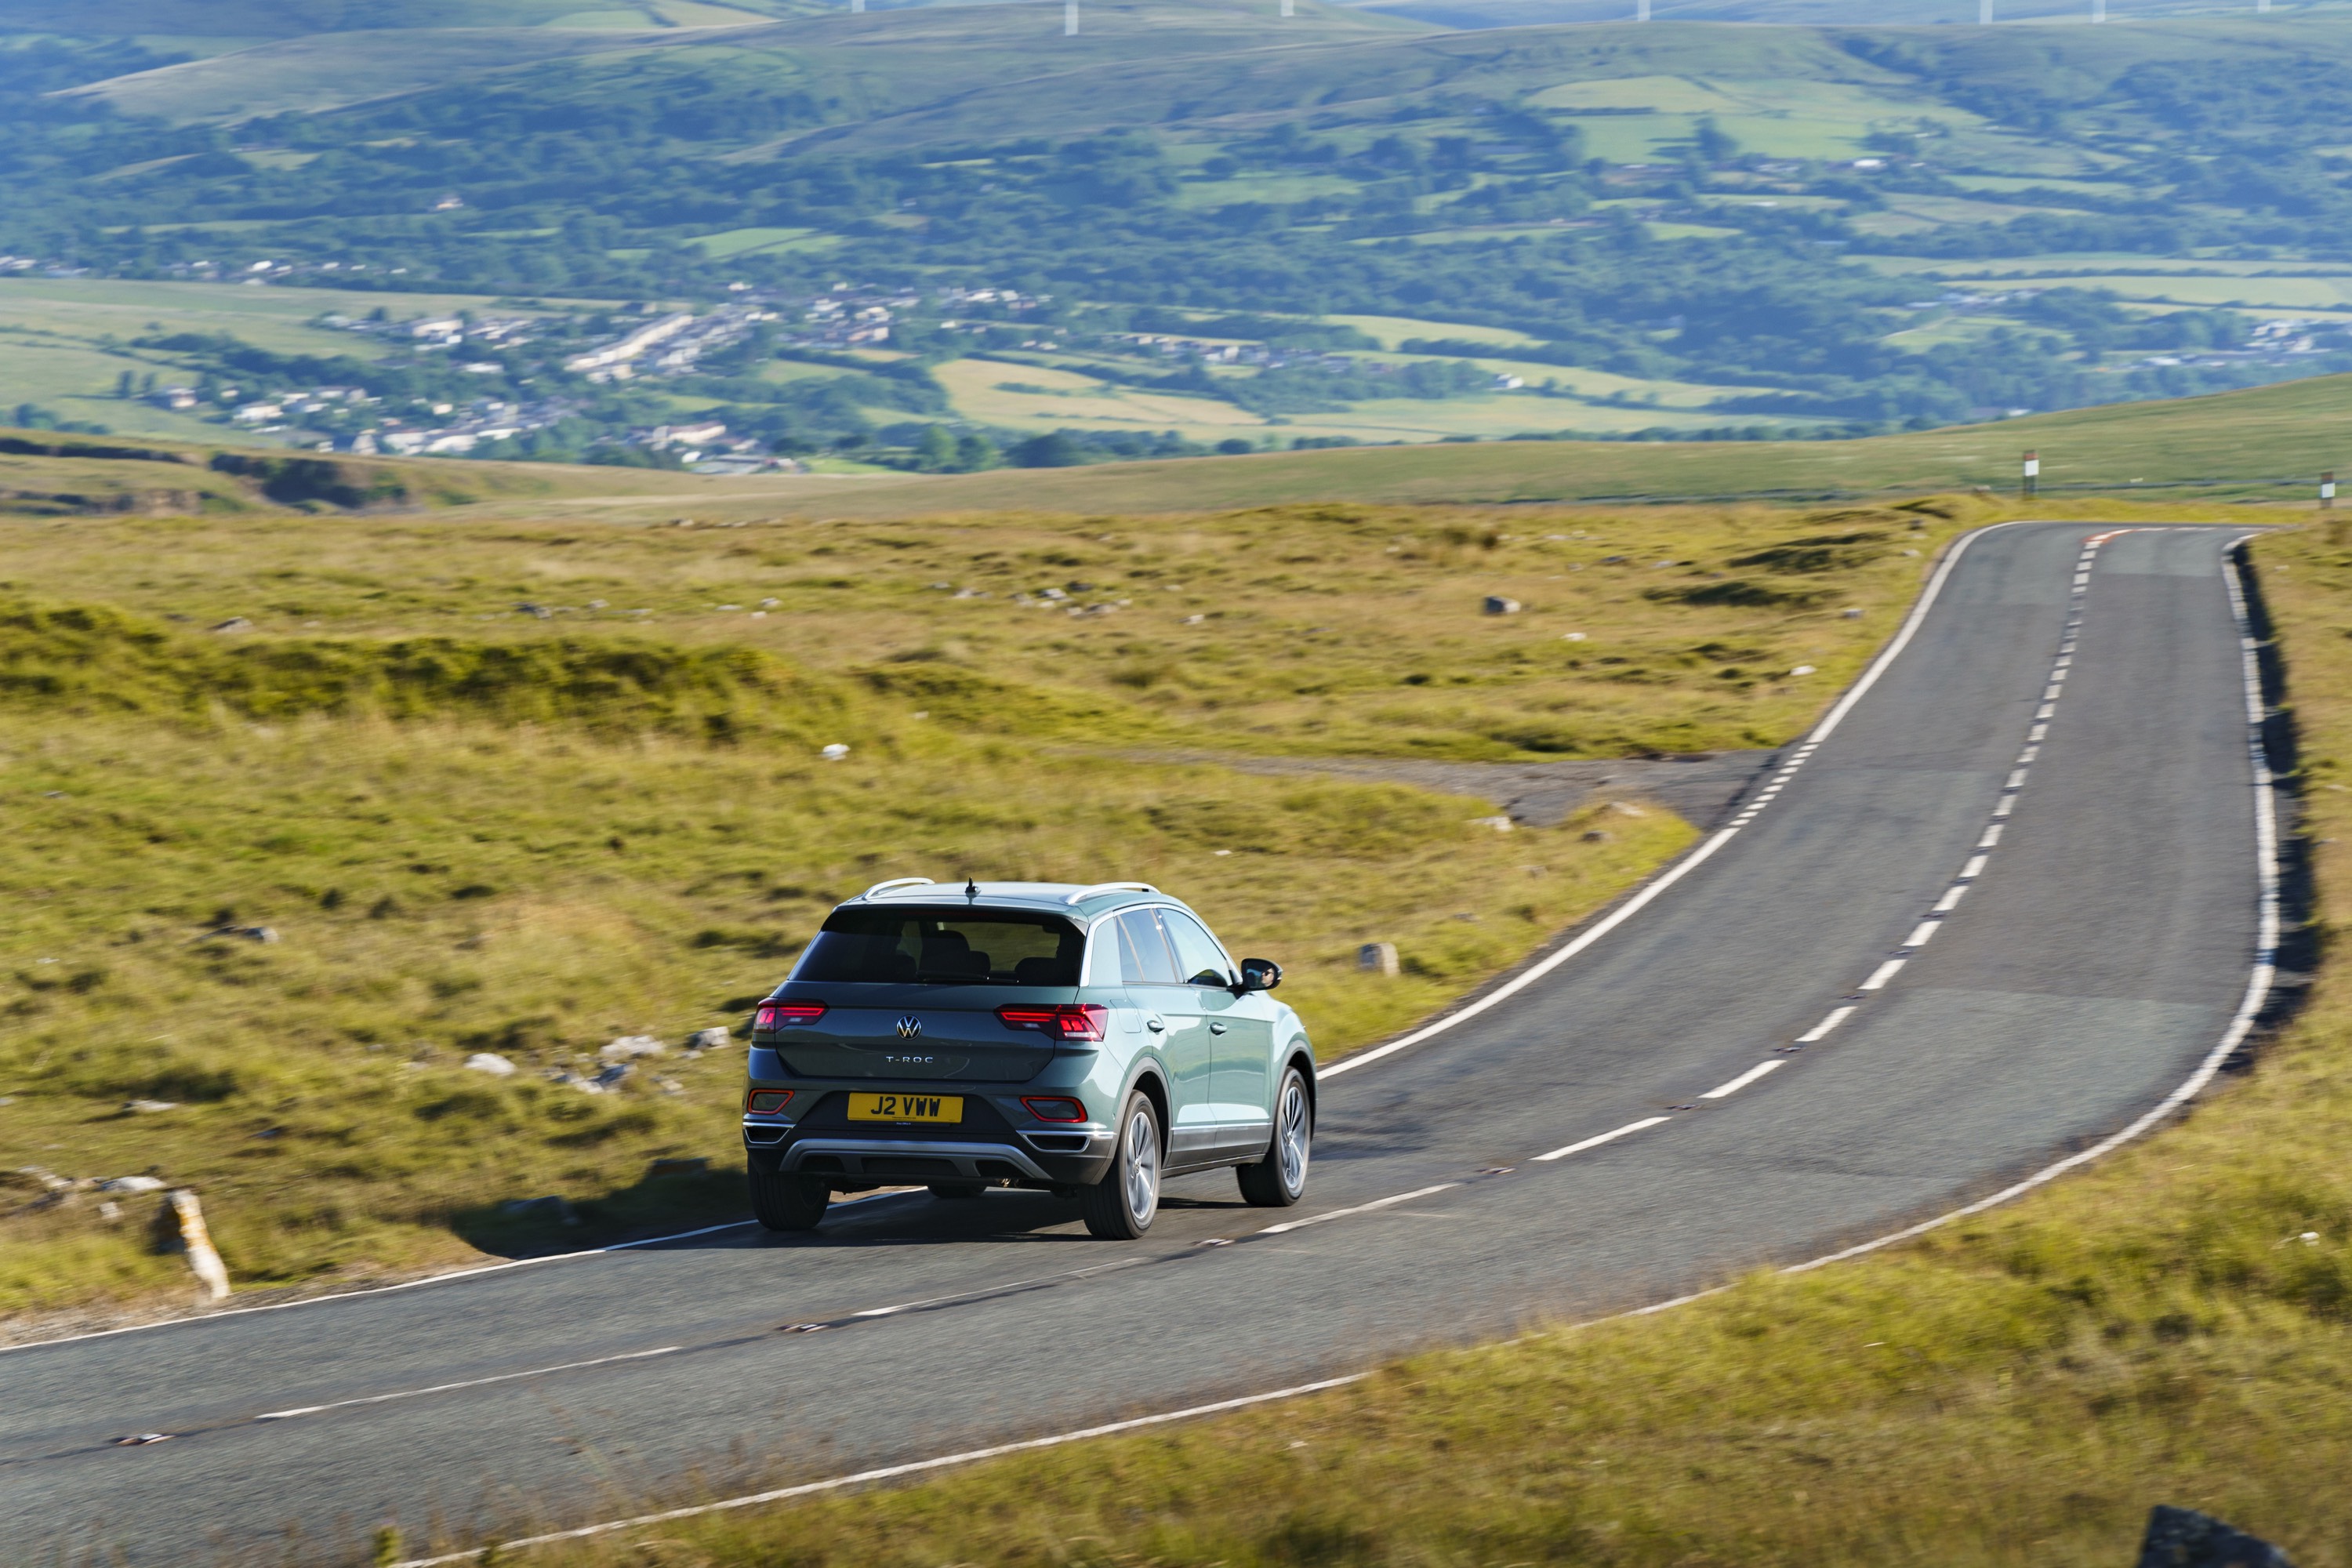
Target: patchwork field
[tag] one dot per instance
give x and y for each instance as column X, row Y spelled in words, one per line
column 66, row 342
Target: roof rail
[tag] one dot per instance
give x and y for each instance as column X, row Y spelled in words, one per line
column 1082, row 894
column 896, row 882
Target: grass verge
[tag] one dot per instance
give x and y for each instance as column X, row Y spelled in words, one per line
column 2173, row 1325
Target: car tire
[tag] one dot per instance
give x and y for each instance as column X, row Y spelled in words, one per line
column 1120, row 1206
column 957, row 1192
column 788, row 1202
column 1279, row 1180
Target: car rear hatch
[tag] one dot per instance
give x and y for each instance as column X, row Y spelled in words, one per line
column 927, row 1032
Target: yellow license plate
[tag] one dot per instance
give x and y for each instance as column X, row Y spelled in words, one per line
column 905, row 1107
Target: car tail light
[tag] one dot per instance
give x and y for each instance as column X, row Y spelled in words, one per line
column 1071, row 1021
column 1055, row 1109
column 787, row 1015
column 767, row 1101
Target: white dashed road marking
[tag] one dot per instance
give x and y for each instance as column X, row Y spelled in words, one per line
column 1631, row 1127
column 1743, row 1080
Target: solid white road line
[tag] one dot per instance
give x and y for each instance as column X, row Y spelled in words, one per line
column 2257, row 982
column 1606, row 1138
column 1743, row 1080
column 469, row 1383
column 1823, row 1028
column 889, row 1472
column 1359, row 1208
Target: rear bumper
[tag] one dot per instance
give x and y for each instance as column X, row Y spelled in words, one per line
column 1046, row 1159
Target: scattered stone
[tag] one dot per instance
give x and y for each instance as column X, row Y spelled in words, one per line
column 1572, row 637
column 942, row 587
column 1054, row 593
column 1850, row 615
column 835, row 753
column 724, row 607
column 149, row 1106
column 1802, row 669
column 670, row 1086
column 1497, row 604
column 1194, row 620
column 1595, row 836
column 628, row 1047
column 109, row 1210
column 970, row 594
column 491, row 1062
column 240, row 933
column 770, row 604
column 1499, row 824
column 597, row 604
column 708, row 1039
column 2184, row 1537
column 1620, row 808
column 1377, row 958
column 554, row 1208
column 538, row 612
column 132, row 1184
column 678, row 1166
column 613, row 1075
column 233, row 623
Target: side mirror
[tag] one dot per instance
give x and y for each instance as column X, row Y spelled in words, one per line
column 1260, row 975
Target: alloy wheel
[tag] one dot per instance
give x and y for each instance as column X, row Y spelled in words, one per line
column 1291, row 1134
column 1143, row 1166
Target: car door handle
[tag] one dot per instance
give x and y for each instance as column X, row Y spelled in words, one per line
column 1155, row 1022
column 1216, row 1028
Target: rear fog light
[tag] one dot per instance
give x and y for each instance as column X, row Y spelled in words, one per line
column 1054, row 1108
column 767, row 1101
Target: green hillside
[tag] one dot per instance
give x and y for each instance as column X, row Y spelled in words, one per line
column 944, row 237
column 2270, row 442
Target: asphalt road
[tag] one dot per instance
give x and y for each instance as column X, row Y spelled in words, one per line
column 2095, row 958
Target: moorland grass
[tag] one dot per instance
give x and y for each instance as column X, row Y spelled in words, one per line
column 2173, row 1325
column 1356, row 630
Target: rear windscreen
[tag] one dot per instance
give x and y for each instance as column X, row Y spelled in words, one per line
column 947, row 947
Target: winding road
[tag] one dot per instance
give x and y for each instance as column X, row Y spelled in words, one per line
column 2004, row 903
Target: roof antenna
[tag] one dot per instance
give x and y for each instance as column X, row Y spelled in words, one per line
column 970, row 887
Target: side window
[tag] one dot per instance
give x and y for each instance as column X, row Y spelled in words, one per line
column 1143, row 955
column 1197, row 957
